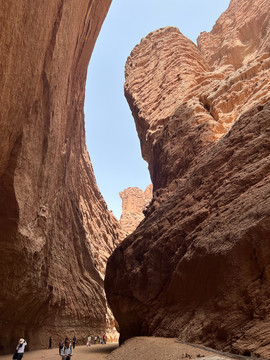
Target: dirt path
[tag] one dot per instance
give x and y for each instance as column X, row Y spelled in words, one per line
column 94, row 352
column 137, row 348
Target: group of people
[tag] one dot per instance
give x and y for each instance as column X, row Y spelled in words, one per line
column 97, row 339
column 62, row 342
column 65, row 347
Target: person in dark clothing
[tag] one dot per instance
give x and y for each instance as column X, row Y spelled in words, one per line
column 50, row 342
column 74, row 341
column 61, row 344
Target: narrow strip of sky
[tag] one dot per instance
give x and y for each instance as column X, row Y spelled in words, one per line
column 111, row 136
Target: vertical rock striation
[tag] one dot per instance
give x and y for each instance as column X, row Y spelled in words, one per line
column 197, row 267
column 56, row 231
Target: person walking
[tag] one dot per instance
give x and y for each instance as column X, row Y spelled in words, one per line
column 74, row 341
column 66, row 351
column 104, row 339
column 88, row 341
column 20, row 349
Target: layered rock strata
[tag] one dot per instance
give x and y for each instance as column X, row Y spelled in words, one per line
column 197, row 267
column 56, row 231
column 134, row 203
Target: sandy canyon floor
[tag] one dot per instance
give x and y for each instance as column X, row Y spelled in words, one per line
column 139, row 348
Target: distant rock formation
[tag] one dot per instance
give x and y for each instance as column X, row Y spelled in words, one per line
column 55, row 229
column 134, row 202
column 197, row 266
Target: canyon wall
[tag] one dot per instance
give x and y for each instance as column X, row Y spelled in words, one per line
column 134, row 203
column 56, row 231
column 197, row 267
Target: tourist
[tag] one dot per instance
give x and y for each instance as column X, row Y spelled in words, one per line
column 50, row 342
column 88, row 341
column 104, row 338
column 20, row 349
column 95, row 340
column 66, row 351
column 61, row 345
column 74, row 341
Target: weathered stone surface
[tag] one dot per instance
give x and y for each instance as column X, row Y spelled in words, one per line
column 173, row 95
column 240, row 35
column 197, row 267
column 155, row 84
column 56, row 231
column 134, row 202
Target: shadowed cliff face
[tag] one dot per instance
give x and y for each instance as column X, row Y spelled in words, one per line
column 56, row 232
column 197, row 267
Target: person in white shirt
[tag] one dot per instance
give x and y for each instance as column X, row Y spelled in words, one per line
column 20, row 348
column 88, row 341
column 66, row 351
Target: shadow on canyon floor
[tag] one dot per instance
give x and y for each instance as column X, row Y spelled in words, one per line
column 137, row 348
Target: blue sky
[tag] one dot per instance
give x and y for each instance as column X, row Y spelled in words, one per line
column 111, row 136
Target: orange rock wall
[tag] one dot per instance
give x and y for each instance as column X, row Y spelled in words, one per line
column 240, row 34
column 56, row 231
column 134, row 202
column 197, row 266
column 186, row 97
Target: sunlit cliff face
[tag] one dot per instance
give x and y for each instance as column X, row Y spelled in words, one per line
column 196, row 267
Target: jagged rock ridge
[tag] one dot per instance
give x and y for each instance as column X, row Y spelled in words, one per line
column 197, row 267
column 56, row 231
column 134, row 203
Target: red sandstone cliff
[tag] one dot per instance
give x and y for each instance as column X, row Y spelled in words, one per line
column 197, row 267
column 56, row 232
column 134, row 202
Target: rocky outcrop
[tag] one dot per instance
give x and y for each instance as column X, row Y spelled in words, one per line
column 134, row 202
column 240, row 35
column 197, row 266
column 56, row 231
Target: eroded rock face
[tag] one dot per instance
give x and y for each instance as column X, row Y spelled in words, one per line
column 134, row 202
column 56, row 232
column 198, row 266
column 240, row 34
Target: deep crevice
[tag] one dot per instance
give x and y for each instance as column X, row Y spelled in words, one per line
column 207, row 106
